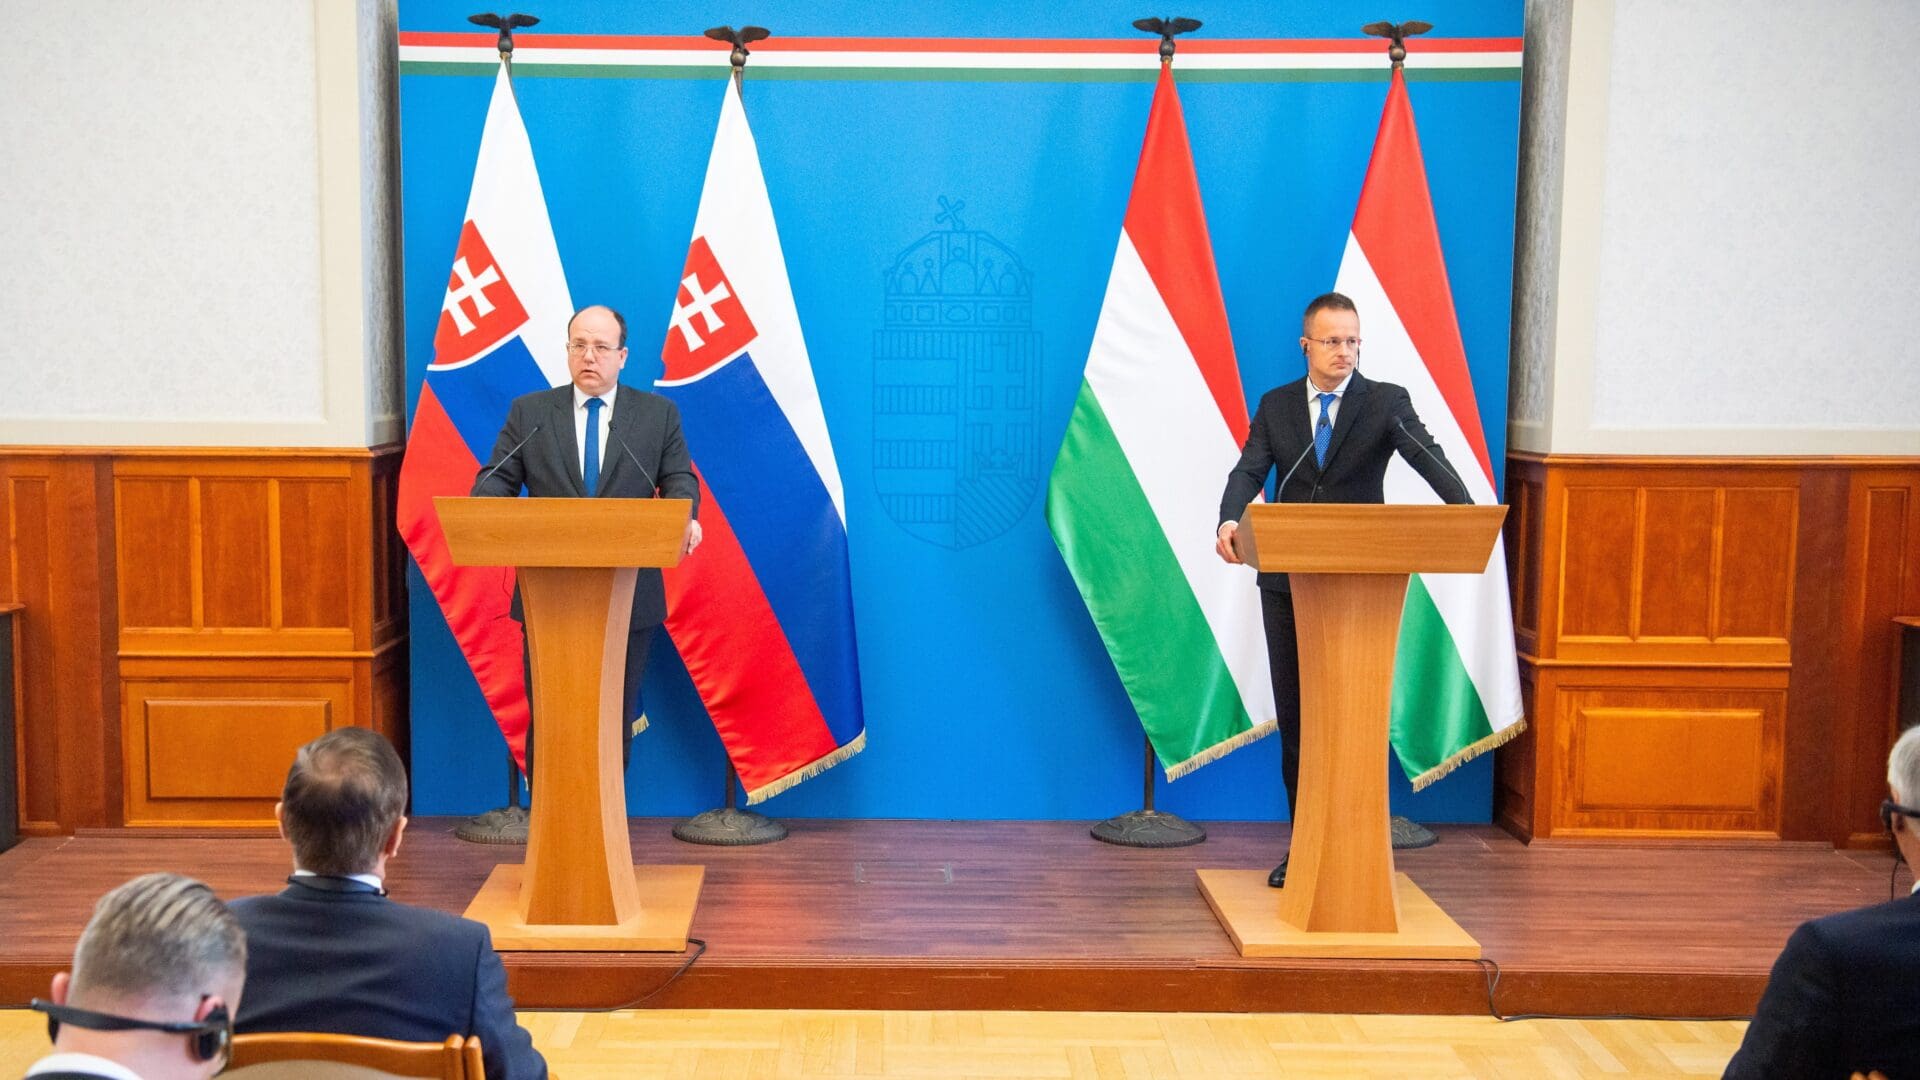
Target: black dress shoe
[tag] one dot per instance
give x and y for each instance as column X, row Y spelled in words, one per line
column 1278, row 879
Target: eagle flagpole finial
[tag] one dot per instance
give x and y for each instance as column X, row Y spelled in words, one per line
column 506, row 24
column 1397, row 33
column 740, row 39
column 1166, row 28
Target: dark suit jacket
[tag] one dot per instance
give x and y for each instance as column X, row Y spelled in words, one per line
column 1843, row 997
column 1366, row 431
column 357, row 963
column 645, row 452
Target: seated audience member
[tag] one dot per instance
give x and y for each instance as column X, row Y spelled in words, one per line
column 331, row 953
column 1844, row 997
column 155, row 977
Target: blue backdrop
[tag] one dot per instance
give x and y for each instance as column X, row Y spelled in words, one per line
column 988, row 692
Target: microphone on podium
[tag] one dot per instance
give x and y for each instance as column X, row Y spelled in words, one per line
column 504, row 458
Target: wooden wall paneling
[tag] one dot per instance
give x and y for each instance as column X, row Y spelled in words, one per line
column 59, row 541
column 1597, row 565
column 1514, row 764
column 208, row 741
column 1817, row 726
column 389, row 561
column 275, row 560
column 1668, row 752
column 1678, row 534
column 1882, row 581
column 1523, row 548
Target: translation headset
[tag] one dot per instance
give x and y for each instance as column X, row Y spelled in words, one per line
column 1888, row 808
column 207, row 1040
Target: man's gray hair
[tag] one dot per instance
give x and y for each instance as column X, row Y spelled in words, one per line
column 157, row 935
column 1903, row 769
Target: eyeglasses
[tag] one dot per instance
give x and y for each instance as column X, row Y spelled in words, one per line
column 1888, row 808
column 598, row 349
column 1352, row 343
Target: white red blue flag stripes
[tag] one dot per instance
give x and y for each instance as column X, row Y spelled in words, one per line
column 762, row 611
column 502, row 333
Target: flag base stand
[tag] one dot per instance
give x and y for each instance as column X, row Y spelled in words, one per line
column 730, row 826
column 1409, row 834
column 506, row 825
column 1147, row 827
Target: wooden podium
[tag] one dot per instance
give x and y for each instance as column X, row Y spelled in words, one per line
column 1349, row 566
column 576, row 560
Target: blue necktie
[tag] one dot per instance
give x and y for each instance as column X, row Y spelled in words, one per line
column 1322, row 431
column 594, row 405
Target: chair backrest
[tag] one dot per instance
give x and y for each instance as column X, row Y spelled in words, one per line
column 457, row 1058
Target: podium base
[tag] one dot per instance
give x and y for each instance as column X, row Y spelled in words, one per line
column 1249, row 911
column 668, row 895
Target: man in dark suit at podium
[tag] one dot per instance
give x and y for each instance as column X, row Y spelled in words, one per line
column 1332, row 434
column 332, row 953
column 599, row 438
column 1844, row 996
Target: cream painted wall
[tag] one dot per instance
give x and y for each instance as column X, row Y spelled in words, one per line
column 1730, row 265
column 200, row 244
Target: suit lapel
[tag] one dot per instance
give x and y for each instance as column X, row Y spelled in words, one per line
column 626, row 412
column 1299, row 428
column 1352, row 403
column 565, row 439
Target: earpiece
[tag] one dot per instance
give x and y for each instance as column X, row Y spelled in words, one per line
column 207, row 1040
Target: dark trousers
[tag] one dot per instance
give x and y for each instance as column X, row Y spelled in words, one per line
column 1283, row 661
column 637, row 643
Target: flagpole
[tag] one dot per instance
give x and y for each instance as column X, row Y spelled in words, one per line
column 506, row 824
column 1148, row 827
column 730, row 826
column 1407, row 833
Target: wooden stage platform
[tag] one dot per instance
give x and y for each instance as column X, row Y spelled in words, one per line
column 1037, row 915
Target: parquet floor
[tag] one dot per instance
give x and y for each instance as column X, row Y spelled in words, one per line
column 802, row 1045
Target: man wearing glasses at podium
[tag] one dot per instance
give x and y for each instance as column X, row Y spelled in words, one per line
column 599, row 438
column 1333, row 432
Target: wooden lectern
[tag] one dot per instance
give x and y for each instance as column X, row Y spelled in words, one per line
column 577, row 560
column 1348, row 566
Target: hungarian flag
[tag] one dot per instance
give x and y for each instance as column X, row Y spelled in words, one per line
column 502, row 333
column 1134, row 498
column 1456, row 682
column 762, row 611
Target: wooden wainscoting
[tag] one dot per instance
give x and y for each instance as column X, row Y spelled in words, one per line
column 1706, row 645
column 228, row 604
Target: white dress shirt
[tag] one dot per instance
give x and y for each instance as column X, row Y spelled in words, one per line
column 1333, row 407
column 364, row 879
column 580, row 398
column 82, row 1063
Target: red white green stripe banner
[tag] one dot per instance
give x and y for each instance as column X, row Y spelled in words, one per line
column 1456, row 682
column 1133, row 498
column 959, row 59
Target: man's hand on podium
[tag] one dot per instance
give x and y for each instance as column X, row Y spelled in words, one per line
column 692, row 539
column 1223, row 542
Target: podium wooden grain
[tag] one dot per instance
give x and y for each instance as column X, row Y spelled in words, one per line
column 576, row 561
column 1348, row 567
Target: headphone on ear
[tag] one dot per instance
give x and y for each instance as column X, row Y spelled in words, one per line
column 1888, row 808
column 208, row 1040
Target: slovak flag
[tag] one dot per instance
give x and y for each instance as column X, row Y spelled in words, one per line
column 502, row 333
column 762, row 611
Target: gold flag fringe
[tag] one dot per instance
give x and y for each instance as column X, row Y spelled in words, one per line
column 808, row 772
column 1222, row 749
column 1468, row 753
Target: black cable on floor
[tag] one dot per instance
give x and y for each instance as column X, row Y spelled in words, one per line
column 700, row 948
column 1492, row 971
